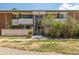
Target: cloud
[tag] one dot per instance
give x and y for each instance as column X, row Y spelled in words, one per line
column 66, row 6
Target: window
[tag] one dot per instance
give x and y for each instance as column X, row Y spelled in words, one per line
column 26, row 16
column 25, row 26
column 15, row 27
column 61, row 16
column 28, row 27
column 21, row 27
column 15, row 16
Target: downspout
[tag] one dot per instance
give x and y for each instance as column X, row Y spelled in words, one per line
column 33, row 24
column 18, row 20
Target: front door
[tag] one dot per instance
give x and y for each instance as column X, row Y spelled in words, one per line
column 38, row 27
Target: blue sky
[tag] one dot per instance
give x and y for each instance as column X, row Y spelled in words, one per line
column 30, row 6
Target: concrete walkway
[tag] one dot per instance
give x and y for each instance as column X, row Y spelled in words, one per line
column 9, row 51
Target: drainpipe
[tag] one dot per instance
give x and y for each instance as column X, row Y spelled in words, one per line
column 33, row 24
column 19, row 18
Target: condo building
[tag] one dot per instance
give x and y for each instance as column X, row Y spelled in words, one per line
column 19, row 22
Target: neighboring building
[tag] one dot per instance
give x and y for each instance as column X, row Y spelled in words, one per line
column 19, row 22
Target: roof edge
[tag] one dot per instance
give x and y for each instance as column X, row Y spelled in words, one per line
column 34, row 10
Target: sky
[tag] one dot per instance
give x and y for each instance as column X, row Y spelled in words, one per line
column 39, row 6
column 29, row 6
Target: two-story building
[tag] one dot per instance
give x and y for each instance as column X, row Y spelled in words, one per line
column 19, row 22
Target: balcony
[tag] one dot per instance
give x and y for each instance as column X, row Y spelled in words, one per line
column 60, row 19
column 28, row 21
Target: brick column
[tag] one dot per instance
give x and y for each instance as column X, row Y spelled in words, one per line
column 5, row 20
column 74, row 15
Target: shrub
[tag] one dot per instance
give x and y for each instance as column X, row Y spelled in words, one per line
column 30, row 32
column 62, row 29
column 69, row 28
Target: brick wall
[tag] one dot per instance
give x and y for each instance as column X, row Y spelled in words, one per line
column 74, row 15
column 4, row 19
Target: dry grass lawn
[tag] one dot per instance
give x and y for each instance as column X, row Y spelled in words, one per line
column 69, row 47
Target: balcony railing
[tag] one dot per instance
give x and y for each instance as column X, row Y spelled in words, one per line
column 22, row 21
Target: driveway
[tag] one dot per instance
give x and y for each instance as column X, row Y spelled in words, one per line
column 10, row 51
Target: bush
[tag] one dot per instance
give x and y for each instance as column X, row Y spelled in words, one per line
column 64, row 29
column 68, row 28
column 30, row 32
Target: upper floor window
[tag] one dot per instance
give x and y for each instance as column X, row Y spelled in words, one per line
column 26, row 16
column 21, row 16
column 15, row 16
column 62, row 15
